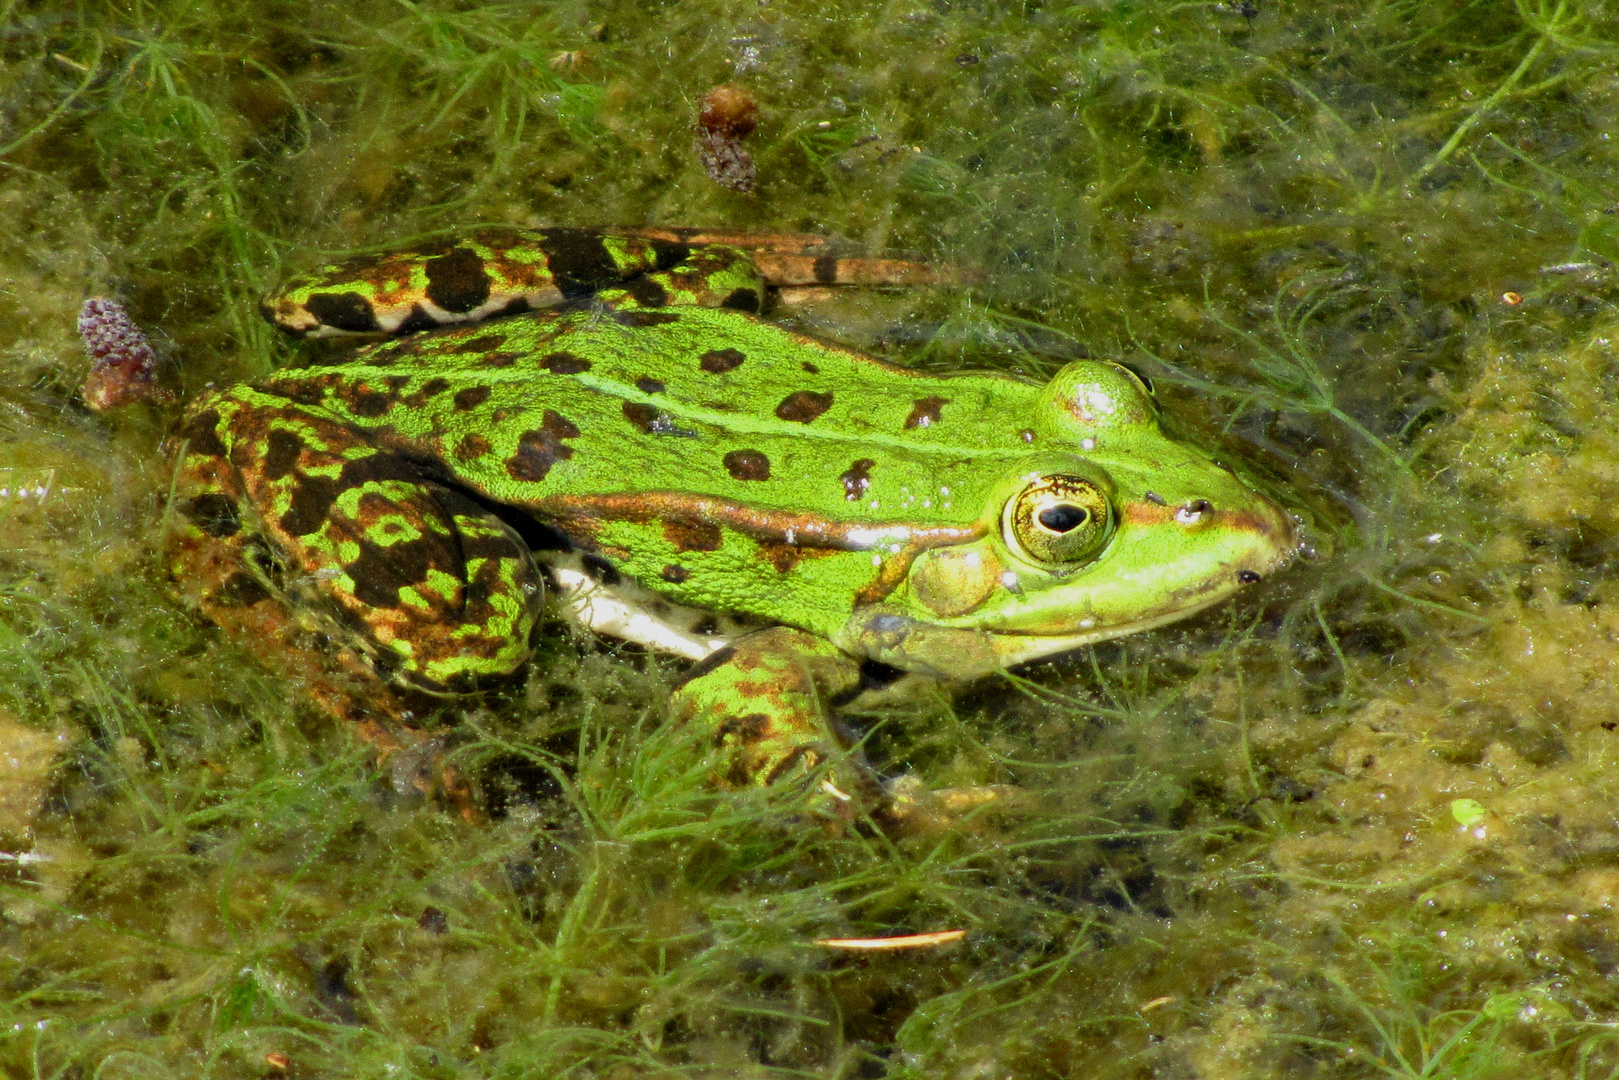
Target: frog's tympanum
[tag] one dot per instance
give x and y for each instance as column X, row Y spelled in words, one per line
column 631, row 437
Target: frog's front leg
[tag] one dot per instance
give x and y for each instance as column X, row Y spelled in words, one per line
column 763, row 704
column 293, row 529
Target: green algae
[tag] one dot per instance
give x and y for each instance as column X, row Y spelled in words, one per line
column 1240, row 857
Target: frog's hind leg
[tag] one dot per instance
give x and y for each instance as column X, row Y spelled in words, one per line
column 486, row 273
column 291, row 530
column 800, row 264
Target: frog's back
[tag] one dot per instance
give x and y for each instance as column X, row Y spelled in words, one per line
column 724, row 460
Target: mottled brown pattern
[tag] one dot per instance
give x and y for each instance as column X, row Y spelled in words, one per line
column 471, row 447
column 692, row 535
column 782, row 556
column 366, row 402
column 749, row 729
column 303, row 391
column 674, row 574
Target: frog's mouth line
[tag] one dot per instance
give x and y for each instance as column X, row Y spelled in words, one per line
column 1015, row 647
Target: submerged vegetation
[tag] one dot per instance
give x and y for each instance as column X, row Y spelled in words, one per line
column 1357, row 825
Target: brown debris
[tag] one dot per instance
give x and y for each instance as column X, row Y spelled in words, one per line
column 728, row 115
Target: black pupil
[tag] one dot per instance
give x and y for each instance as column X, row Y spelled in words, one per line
column 1064, row 517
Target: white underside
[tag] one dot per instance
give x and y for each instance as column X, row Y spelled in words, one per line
column 634, row 613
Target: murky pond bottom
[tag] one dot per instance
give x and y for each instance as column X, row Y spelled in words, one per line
column 1357, row 823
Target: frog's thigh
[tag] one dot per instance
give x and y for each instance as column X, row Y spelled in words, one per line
column 762, row 703
column 433, row 589
column 711, row 275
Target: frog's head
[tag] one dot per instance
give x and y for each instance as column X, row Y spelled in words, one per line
column 1114, row 527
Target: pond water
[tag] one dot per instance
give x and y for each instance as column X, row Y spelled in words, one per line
column 1358, row 823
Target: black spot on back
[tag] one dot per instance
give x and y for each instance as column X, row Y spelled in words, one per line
column 747, row 465
column 668, row 254
column 539, row 449
column 343, row 311
column 311, row 499
column 281, row 452
column 638, row 319
column 675, row 575
column 201, row 435
column 804, row 406
column 310, row 392
column 742, row 300
column 648, row 385
column 213, row 513
column 856, row 479
column 457, row 282
column 471, row 397
column 719, row 361
column 481, row 344
column 433, row 387
column 368, row 403
column 925, row 412
column 579, row 262
column 564, row 363
column 826, row 269
column 648, row 292
column 642, row 416
column 416, row 321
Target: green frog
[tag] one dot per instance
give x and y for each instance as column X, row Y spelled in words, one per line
column 607, row 420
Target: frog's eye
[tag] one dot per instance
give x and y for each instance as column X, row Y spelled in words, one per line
column 1059, row 519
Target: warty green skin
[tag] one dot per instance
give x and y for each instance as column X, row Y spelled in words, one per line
column 717, row 460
